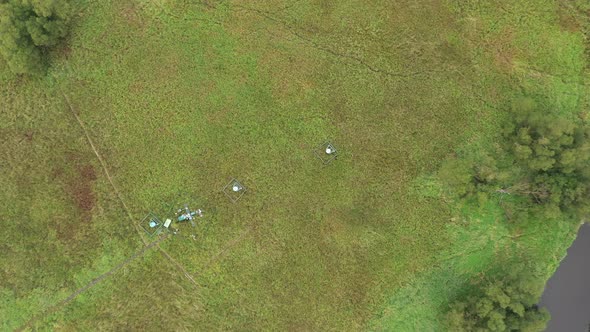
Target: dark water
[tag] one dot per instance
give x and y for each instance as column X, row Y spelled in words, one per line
column 567, row 293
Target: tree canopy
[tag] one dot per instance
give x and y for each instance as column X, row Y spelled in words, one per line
column 554, row 153
column 542, row 157
column 28, row 28
column 546, row 143
column 504, row 304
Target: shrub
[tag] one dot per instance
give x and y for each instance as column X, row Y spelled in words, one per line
column 458, row 174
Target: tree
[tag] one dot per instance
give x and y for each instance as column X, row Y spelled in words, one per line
column 555, row 155
column 546, row 143
column 28, row 28
column 506, row 304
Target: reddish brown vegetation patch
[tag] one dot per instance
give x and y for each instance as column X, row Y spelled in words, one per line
column 77, row 176
column 567, row 19
column 82, row 188
column 503, row 51
column 79, row 185
column 64, row 51
column 131, row 15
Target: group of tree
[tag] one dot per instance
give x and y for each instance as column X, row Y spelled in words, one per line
column 506, row 303
column 540, row 168
column 28, row 28
column 543, row 158
column 555, row 154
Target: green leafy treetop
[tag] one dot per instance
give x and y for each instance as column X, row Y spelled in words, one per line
column 507, row 304
column 28, row 28
column 546, row 143
column 543, row 157
column 555, row 155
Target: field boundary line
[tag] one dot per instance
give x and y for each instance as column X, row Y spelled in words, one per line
column 295, row 31
column 174, row 262
column 91, row 284
column 229, row 245
column 120, row 197
column 179, row 266
column 103, row 165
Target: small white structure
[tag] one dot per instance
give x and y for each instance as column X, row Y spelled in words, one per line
column 234, row 190
column 167, row 223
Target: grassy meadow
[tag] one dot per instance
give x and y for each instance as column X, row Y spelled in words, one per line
column 180, row 96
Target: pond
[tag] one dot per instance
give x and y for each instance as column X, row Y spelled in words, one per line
column 567, row 293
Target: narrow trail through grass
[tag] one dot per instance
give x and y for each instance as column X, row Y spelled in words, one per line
column 91, row 284
column 104, row 168
column 174, row 262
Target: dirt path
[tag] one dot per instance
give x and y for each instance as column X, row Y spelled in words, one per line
column 178, row 266
column 104, row 167
column 91, row 284
column 220, row 255
column 103, row 164
column 229, row 245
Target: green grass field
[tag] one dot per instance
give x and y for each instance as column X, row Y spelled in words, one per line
column 178, row 97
